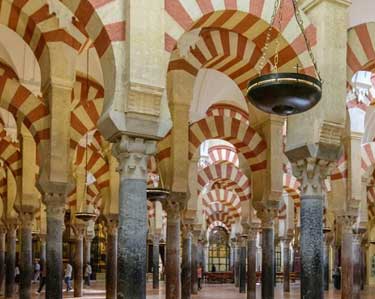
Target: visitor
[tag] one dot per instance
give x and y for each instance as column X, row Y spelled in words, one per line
column 213, row 269
column 42, row 280
column 17, row 274
column 36, row 271
column 88, row 271
column 200, row 276
column 68, row 276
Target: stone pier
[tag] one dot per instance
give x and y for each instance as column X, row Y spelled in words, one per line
column 286, row 262
column 79, row 231
column 242, row 265
column 251, row 264
column 268, row 260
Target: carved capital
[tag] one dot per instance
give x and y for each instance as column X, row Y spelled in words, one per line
column 174, row 205
column 55, row 205
column 79, row 230
column 347, row 222
column 267, row 217
column 132, row 154
column 112, row 224
column 312, row 172
column 27, row 219
column 186, row 232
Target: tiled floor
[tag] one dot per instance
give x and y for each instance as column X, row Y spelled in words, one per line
column 227, row 291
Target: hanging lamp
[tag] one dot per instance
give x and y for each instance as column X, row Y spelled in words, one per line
column 158, row 193
column 284, row 93
column 84, row 214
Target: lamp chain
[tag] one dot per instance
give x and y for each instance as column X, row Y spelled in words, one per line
column 262, row 60
column 307, row 42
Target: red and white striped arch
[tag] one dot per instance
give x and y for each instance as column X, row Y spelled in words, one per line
column 227, row 172
column 247, row 18
column 223, row 153
column 244, row 138
column 291, row 185
column 223, row 196
column 84, row 119
column 228, row 111
column 360, row 49
column 217, row 224
column 368, row 157
column 25, row 108
column 32, row 21
column 86, row 89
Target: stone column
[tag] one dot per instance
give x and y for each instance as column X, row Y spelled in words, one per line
column 26, row 258
column 2, row 255
column 132, row 154
column 111, row 263
column 286, row 261
column 251, row 264
column 79, row 231
column 10, row 258
column 155, row 261
column 55, row 206
column 347, row 256
column 194, row 262
column 87, row 249
column 268, row 260
column 186, row 264
column 312, row 173
column 172, row 267
column 242, row 265
column 326, row 255
column 357, row 271
column 236, row 264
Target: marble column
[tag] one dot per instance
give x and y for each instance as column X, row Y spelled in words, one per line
column 312, row 172
column 357, row 271
column 237, row 264
column 10, row 259
column 194, row 263
column 286, row 262
column 172, row 267
column 26, row 258
column 111, row 262
column 242, row 265
column 55, row 204
column 132, row 154
column 79, row 231
column 155, row 261
column 186, row 265
column 251, row 264
column 347, row 256
column 268, row 260
column 326, row 255
column 42, row 256
column 87, row 249
column 2, row 255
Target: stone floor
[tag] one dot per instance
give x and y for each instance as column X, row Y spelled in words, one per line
column 209, row 292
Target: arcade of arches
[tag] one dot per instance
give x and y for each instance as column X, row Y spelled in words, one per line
column 101, row 100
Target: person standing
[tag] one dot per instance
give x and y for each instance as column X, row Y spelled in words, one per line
column 68, row 276
column 42, row 279
column 200, row 276
column 36, row 271
column 88, row 271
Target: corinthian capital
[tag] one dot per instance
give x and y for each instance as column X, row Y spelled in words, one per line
column 132, row 154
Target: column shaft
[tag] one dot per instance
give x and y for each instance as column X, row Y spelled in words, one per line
column 242, row 268
column 10, row 261
column 86, row 250
column 268, row 263
column 132, row 239
column 194, row 267
column 155, row 262
column 251, row 268
column 357, row 266
column 237, row 266
column 312, row 247
column 326, row 266
column 172, row 284
column 2, row 256
column 186, row 267
column 111, row 263
column 286, row 262
column 26, row 263
column 55, row 227
column 78, row 266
